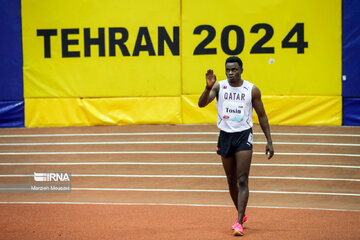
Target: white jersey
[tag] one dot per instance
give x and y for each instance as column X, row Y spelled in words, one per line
column 234, row 107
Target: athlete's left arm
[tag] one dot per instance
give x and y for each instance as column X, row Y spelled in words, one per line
column 263, row 120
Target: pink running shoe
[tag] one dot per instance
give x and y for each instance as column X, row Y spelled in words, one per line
column 238, row 230
column 245, row 219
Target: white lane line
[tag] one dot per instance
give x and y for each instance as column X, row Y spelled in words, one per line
column 166, row 163
column 316, row 154
column 171, row 133
column 300, row 208
column 110, row 163
column 211, row 191
column 110, row 134
column 303, row 165
column 314, row 134
column 107, row 143
column 168, row 152
column 307, row 193
column 312, row 143
column 169, row 142
column 187, row 176
column 149, row 190
column 306, row 178
column 178, row 204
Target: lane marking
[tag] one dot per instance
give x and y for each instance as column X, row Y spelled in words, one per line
column 303, row 165
column 179, row 204
column 306, row 178
column 168, row 152
column 307, row 193
column 171, row 133
column 210, row 190
column 300, row 208
column 188, row 176
column 169, row 142
column 149, row 190
column 167, row 163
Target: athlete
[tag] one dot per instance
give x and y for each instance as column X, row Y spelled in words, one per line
column 236, row 99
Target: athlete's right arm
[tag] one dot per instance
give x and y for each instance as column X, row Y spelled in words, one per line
column 211, row 91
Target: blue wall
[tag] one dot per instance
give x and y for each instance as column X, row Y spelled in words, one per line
column 11, row 79
column 351, row 62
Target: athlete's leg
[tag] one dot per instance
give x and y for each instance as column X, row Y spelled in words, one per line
column 243, row 162
column 229, row 165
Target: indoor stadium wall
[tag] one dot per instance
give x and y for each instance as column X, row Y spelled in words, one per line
column 84, row 63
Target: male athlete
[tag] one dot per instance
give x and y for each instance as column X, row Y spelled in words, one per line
column 236, row 99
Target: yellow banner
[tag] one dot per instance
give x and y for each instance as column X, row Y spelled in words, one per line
column 105, row 48
column 56, row 112
column 141, row 62
column 281, row 110
column 287, row 47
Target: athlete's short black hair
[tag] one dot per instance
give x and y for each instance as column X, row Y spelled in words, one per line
column 234, row 59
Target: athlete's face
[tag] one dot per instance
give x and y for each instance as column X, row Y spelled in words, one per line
column 233, row 72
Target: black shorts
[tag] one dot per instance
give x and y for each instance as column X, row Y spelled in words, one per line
column 230, row 143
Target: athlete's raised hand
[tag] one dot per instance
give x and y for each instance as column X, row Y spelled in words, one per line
column 210, row 79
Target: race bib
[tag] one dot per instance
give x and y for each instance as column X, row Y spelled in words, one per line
column 233, row 111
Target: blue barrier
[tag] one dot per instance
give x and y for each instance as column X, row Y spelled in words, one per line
column 12, row 114
column 351, row 48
